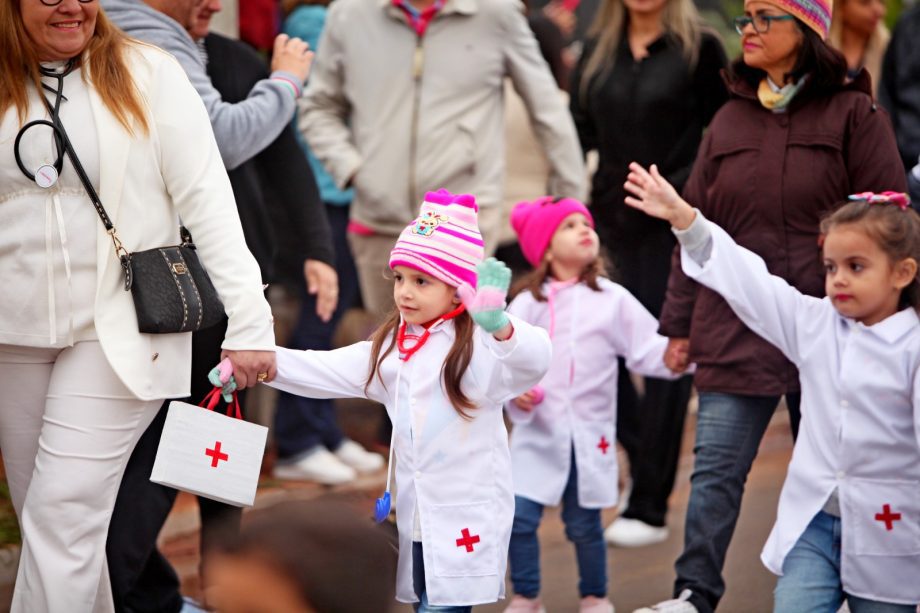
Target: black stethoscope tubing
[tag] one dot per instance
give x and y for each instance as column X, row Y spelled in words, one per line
column 53, row 124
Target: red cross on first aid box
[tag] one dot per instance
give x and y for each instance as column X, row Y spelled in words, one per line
column 210, row 454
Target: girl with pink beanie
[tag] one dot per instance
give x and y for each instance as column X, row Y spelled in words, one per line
column 442, row 364
column 563, row 442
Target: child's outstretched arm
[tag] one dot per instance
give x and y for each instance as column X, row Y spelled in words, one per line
column 767, row 304
column 340, row 373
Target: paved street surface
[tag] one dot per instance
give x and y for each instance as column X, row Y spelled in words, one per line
column 637, row 576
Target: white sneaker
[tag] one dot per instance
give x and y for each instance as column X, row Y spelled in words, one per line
column 522, row 604
column 359, row 458
column 681, row 604
column 321, row 466
column 626, row 532
column 593, row 604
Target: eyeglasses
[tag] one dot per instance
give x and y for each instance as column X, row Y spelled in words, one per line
column 761, row 23
column 57, row 2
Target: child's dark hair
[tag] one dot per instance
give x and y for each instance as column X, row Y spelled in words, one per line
column 895, row 231
column 336, row 559
column 534, row 280
column 458, row 358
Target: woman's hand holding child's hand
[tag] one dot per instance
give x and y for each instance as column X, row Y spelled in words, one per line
column 677, row 354
column 655, row 197
column 486, row 304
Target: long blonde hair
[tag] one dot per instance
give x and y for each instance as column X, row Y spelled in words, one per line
column 679, row 18
column 875, row 46
column 104, row 55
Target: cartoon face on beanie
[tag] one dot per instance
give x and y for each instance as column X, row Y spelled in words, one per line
column 444, row 240
column 536, row 222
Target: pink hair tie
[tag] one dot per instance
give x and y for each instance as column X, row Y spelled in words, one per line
column 898, row 199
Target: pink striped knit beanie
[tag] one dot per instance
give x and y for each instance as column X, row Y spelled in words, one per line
column 444, row 240
column 536, row 222
column 816, row 14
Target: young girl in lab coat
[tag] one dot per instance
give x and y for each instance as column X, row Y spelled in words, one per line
column 443, row 364
column 563, row 441
column 848, row 523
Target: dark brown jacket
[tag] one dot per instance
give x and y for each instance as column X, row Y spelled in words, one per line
column 767, row 179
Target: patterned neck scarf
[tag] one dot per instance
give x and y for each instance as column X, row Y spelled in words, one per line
column 776, row 98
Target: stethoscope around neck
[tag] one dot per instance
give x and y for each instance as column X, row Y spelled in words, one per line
column 47, row 175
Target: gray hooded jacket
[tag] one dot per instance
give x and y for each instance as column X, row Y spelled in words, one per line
column 242, row 129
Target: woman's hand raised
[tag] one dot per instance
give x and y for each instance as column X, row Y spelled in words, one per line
column 654, row 196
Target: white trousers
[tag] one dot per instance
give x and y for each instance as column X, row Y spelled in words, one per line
column 67, row 428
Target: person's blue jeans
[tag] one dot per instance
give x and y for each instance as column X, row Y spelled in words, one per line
column 729, row 428
column 582, row 527
column 301, row 424
column 418, row 583
column 811, row 575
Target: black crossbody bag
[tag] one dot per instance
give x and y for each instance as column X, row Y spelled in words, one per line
column 170, row 288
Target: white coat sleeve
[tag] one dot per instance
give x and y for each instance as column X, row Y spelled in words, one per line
column 767, row 304
column 323, row 111
column 552, row 123
column 520, row 307
column 916, row 403
column 515, row 365
column 195, row 177
column 340, row 373
column 635, row 337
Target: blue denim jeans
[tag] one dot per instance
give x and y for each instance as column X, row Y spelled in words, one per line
column 811, row 575
column 729, row 428
column 418, row 583
column 582, row 527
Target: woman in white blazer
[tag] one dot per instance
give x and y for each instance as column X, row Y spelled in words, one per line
column 81, row 383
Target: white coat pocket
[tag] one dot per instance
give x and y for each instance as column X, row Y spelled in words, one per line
column 461, row 538
column 596, row 450
column 884, row 516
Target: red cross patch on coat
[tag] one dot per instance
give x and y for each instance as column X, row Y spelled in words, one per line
column 603, row 445
column 467, row 541
column 888, row 517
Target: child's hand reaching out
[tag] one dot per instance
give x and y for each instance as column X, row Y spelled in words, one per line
column 654, row 196
column 528, row 401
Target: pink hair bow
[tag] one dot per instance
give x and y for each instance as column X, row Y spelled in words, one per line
column 898, row 199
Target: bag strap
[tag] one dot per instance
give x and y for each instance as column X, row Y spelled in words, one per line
column 213, row 398
column 120, row 252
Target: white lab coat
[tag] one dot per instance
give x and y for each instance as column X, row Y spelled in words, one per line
column 592, row 329
column 860, row 431
column 456, row 472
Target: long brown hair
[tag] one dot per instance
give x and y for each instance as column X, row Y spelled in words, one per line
column 454, row 367
column 104, row 54
column 680, row 19
column 896, row 232
column 533, row 281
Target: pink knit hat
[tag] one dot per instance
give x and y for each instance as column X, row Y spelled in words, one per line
column 536, row 222
column 444, row 240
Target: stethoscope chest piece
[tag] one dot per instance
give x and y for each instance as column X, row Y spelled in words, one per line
column 46, row 176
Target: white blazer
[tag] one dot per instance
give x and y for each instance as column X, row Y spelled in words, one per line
column 590, row 331
column 456, row 472
column 860, row 431
column 146, row 183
